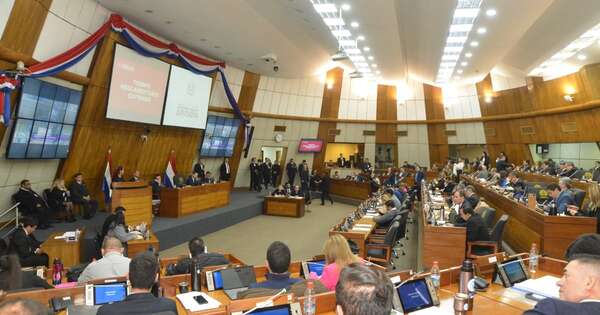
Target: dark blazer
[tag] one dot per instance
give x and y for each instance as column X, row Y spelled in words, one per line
column 519, row 185
column 224, row 173
column 155, row 190
column 564, row 199
column 78, row 191
column 276, row 281
column 341, row 162
column 558, row 307
column 325, row 184
column 139, row 303
column 304, row 174
column 203, row 260
column 22, row 244
column 291, row 169
column 118, row 179
column 596, row 174
column 476, row 229
column 199, row 169
column 276, row 170
column 473, row 200
column 30, row 201
column 193, row 182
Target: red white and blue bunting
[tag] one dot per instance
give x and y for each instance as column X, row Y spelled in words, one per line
column 7, row 85
column 142, row 43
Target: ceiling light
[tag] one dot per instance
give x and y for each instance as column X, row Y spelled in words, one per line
column 450, row 57
column 346, row 7
column 466, row 13
column 459, row 71
column 357, row 58
column 464, row 63
column 325, row 8
column 455, row 49
column 581, row 57
column 456, row 39
column 352, row 51
column 474, row 43
column 374, row 65
column 347, row 43
column 366, row 48
column 460, row 27
column 341, row 33
column 360, row 37
column 333, row 21
column 491, row 12
column 468, row 55
column 481, row 30
column 371, row 57
column 354, row 24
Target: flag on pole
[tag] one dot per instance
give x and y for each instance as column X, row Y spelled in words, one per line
column 170, row 171
column 107, row 181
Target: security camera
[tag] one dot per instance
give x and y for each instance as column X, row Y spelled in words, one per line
column 270, row 57
column 275, row 68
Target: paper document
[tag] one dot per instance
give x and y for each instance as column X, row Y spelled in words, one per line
column 545, row 286
column 360, row 229
column 360, row 225
column 189, row 303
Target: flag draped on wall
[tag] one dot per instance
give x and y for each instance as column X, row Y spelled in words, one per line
column 107, row 181
column 170, row 171
column 7, row 85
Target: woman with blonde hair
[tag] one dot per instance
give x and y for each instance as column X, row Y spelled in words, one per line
column 337, row 256
column 59, row 199
column 593, row 207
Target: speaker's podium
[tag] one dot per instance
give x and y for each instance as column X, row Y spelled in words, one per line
column 136, row 198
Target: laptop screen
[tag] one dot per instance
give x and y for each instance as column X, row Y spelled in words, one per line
column 109, row 293
column 273, row 310
column 316, row 266
column 238, row 277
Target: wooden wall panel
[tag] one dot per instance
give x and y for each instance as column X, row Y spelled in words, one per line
column 437, row 138
column 330, row 108
column 386, row 110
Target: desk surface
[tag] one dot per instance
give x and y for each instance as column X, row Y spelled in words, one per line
column 68, row 252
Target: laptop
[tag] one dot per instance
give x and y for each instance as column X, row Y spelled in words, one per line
column 237, row 279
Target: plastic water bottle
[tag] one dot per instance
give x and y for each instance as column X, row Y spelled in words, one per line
column 533, row 258
column 435, row 275
column 309, row 301
column 57, row 267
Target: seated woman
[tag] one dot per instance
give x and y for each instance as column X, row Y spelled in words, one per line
column 337, row 256
column 117, row 228
column 279, row 191
column 119, row 175
column 592, row 209
column 60, row 198
column 297, row 192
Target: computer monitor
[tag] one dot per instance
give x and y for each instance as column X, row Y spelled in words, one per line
column 417, row 294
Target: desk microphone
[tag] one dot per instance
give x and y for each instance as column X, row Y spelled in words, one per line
column 266, row 303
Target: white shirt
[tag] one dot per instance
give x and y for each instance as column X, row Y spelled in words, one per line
column 113, row 264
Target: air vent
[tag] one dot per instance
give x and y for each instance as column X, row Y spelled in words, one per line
column 334, row 132
column 450, row 132
column 569, row 127
column 279, row 128
column 402, row 133
column 368, row 132
column 527, row 130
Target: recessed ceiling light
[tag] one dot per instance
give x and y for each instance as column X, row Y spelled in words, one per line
column 354, row 24
column 374, row 65
column 325, row 8
column 333, row 21
column 346, row 7
column 474, row 43
column 148, row 11
column 459, row 71
column 360, row 37
column 371, row 57
column 468, row 55
column 481, row 30
column 491, row 12
column 341, row 33
column 367, row 48
column 581, row 57
column 464, row 63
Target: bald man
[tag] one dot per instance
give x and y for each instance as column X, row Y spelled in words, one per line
column 579, row 289
column 112, row 264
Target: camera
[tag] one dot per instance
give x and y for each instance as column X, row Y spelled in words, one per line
column 275, row 68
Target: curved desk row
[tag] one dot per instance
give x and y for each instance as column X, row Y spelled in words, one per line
column 177, row 202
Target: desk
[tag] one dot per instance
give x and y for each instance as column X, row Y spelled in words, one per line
column 177, row 202
column 553, row 234
column 135, row 247
column 136, row 198
column 68, row 252
column 358, row 237
column 284, row 206
column 541, row 178
column 350, row 189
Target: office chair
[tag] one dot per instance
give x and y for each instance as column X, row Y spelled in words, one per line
column 578, row 195
column 578, row 174
column 494, row 245
column 379, row 250
column 487, row 215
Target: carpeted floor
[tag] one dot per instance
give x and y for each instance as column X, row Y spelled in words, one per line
column 305, row 236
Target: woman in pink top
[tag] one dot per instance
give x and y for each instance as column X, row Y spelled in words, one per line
column 337, row 256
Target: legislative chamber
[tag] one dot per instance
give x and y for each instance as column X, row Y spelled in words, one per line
column 299, row 157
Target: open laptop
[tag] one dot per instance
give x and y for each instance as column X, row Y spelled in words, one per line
column 237, row 279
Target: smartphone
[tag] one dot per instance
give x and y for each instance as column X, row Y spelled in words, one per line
column 200, row 299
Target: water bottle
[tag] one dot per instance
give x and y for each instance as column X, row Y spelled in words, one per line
column 309, row 299
column 435, row 275
column 195, row 276
column 56, row 271
column 533, row 258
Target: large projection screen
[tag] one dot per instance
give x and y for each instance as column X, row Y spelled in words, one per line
column 187, row 99
column 137, row 87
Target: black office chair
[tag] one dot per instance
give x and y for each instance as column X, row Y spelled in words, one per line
column 379, row 250
column 578, row 195
column 487, row 215
column 494, row 245
column 578, row 174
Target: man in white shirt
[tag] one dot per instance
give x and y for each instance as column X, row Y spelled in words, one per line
column 112, row 264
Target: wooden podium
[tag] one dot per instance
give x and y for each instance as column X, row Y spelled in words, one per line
column 136, row 198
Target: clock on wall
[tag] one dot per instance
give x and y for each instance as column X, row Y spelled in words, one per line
column 278, row 137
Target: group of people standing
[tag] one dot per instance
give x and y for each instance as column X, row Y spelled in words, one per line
column 263, row 173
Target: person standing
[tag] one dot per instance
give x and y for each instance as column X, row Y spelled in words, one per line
column 341, row 161
column 254, row 177
column 291, row 170
column 266, row 172
column 225, row 170
column 275, row 172
column 305, row 180
column 199, row 169
column 325, row 184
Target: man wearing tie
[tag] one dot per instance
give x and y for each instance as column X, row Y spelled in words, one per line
column 275, row 172
column 305, row 180
column 224, row 170
column 291, row 170
column 193, row 180
column 341, row 161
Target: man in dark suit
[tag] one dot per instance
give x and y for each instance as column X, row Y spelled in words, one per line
column 208, row 178
column 225, row 170
column 32, row 204
column 255, row 182
column 156, row 186
column 199, row 169
column 26, row 246
column 561, row 198
column 136, row 177
column 366, row 166
column 515, row 182
column 303, row 170
column 278, row 264
column 569, row 170
column 265, row 172
column 341, row 161
column 291, row 169
column 275, row 172
column 193, row 180
column 476, row 229
column 198, row 254
column 471, row 196
column 386, row 218
column 143, row 273
column 325, row 186
column 459, row 203
column 579, row 289
column 81, row 196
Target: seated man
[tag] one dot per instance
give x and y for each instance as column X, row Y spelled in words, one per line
column 193, row 180
column 26, row 246
column 32, row 204
column 560, row 199
column 587, row 244
column 143, row 273
column 459, row 202
column 81, row 196
column 476, row 229
column 515, row 182
column 278, row 263
column 112, row 264
column 579, row 289
column 279, row 191
column 391, row 212
column 397, row 203
column 471, row 196
column 208, row 178
column 199, row 254
column 297, row 192
column 362, row 290
column 136, row 177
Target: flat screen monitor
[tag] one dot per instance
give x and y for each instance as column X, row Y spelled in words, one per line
column 186, row 104
column 138, row 86
column 310, row 146
column 109, row 293
column 219, row 136
column 44, row 121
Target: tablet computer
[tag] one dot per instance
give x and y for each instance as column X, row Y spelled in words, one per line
column 416, row 295
column 106, row 293
column 511, row 271
column 315, row 265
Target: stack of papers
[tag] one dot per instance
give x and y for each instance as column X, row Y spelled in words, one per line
column 189, row 303
column 361, row 229
column 545, row 286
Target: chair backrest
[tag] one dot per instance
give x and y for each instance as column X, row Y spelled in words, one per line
column 392, row 232
column 578, row 174
column 498, row 230
column 487, row 215
column 578, row 195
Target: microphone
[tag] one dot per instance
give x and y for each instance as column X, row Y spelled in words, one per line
column 265, row 303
